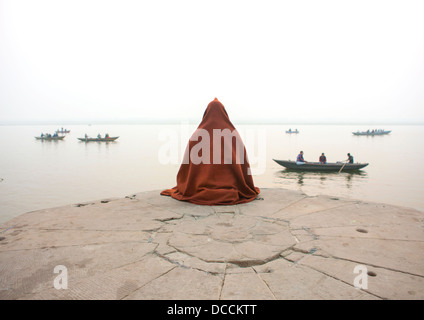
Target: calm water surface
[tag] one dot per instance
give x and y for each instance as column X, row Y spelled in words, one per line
column 37, row 175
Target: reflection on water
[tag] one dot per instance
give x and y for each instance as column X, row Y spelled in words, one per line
column 319, row 181
column 49, row 141
column 100, row 144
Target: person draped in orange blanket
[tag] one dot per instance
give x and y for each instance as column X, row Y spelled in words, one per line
column 215, row 169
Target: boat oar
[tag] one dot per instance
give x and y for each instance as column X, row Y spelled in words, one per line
column 342, row 167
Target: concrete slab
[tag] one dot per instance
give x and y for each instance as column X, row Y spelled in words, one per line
column 245, row 286
column 285, row 245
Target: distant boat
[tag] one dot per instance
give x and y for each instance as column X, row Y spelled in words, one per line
column 50, row 138
column 63, row 131
column 98, row 139
column 372, row 132
column 291, row 131
column 317, row 166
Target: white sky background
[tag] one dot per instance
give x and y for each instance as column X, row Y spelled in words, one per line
column 313, row 61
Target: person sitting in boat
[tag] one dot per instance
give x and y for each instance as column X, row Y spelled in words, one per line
column 99, row 136
column 42, row 135
column 349, row 158
column 107, row 136
column 322, row 159
column 300, row 159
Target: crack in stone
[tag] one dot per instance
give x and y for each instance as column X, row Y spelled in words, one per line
column 266, row 284
column 311, row 251
column 314, row 236
column 323, row 210
column 313, row 212
column 163, row 256
column 182, row 265
column 223, row 281
column 377, row 266
column 254, row 262
column 330, row 256
column 232, row 211
column 169, row 219
column 290, row 230
column 240, row 263
column 78, row 205
column 369, row 238
column 148, row 283
column 188, row 254
column 4, row 230
column 341, row 280
column 274, row 213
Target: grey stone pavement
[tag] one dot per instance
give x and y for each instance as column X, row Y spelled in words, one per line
column 284, row 245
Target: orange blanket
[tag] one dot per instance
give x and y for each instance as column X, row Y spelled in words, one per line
column 215, row 169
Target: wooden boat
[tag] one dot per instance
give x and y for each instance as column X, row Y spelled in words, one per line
column 98, row 139
column 372, row 133
column 50, row 138
column 290, row 131
column 316, row 166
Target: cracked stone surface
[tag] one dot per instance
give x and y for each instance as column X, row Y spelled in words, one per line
column 285, row 245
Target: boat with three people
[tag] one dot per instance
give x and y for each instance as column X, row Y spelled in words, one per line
column 99, row 138
column 318, row 166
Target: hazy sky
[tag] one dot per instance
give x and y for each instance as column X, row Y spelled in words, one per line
column 279, row 60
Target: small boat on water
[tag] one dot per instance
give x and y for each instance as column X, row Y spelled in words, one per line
column 291, row 131
column 63, row 131
column 372, row 132
column 48, row 138
column 317, row 166
column 98, row 139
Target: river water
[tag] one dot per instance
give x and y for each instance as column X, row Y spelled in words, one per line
column 41, row 174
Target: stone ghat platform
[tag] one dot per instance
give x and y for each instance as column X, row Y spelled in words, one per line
column 284, row 245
